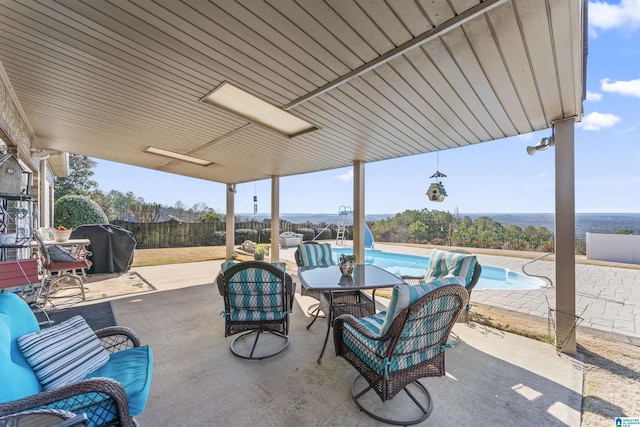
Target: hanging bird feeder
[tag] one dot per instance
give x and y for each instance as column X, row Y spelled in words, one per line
column 436, row 191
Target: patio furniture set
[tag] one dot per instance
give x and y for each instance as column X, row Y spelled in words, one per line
column 65, row 374
column 391, row 349
column 103, row 377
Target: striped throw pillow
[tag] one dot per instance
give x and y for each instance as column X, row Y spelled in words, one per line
column 315, row 255
column 403, row 296
column 444, row 263
column 63, row 354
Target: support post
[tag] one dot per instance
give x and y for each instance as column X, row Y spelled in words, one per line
column 565, row 231
column 358, row 211
column 275, row 218
column 231, row 222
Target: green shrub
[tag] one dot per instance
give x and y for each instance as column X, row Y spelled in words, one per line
column 265, row 235
column 72, row 211
column 326, row 235
column 307, row 233
column 217, row 238
column 243, row 234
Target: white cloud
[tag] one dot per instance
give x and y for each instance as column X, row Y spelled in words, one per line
column 624, row 15
column 594, row 96
column 597, row 121
column 626, row 88
column 346, row 177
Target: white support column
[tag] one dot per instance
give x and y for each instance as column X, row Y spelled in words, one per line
column 565, row 222
column 231, row 222
column 358, row 211
column 275, row 218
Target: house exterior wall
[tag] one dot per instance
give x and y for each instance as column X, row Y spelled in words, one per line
column 17, row 134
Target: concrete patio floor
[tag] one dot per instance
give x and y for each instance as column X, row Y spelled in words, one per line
column 493, row 377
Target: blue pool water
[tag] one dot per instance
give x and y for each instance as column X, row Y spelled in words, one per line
column 413, row 265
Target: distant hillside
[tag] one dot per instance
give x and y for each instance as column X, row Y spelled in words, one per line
column 585, row 222
column 312, row 218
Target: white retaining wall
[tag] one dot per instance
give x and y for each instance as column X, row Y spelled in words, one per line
column 614, row 247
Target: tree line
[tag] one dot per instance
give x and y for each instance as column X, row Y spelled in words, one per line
column 443, row 228
column 123, row 206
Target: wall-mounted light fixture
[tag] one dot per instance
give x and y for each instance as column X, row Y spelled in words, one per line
column 541, row 146
column 40, row 154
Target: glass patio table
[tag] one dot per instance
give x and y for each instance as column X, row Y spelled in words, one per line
column 329, row 280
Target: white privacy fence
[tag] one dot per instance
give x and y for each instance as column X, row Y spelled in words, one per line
column 614, row 247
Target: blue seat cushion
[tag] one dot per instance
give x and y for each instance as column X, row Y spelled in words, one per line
column 131, row 368
column 17, row 379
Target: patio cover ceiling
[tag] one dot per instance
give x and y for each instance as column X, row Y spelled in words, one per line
column 380, row 79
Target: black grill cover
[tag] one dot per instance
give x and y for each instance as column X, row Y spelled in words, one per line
column 111, row 247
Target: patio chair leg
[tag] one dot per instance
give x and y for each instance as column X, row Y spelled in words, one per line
column 315, row 317
column 73, row 276
column 257, row 332
column 314, row 310
column 425, row 407
column 324, row 346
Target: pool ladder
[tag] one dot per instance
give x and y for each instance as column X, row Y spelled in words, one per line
column 537, row 275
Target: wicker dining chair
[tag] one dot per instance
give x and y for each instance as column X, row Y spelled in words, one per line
column 393, row 349
column 445, row 258
column 352, row 302
column 258, row 297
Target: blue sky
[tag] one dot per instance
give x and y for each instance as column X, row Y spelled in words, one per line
column 492, row 177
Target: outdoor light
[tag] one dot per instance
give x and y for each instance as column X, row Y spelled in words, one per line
column 541, row 146
column 236, row 101
column 177, row 156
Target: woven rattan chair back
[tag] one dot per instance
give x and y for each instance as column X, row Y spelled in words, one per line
column 257, row 297
column 411, row 349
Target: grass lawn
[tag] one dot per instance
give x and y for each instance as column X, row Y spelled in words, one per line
column 149, row 257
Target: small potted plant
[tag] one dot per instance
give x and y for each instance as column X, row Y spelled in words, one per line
column 346, row 263
column 260, row 251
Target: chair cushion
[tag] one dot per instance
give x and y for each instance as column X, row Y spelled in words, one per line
column 131, row 368
column 315, row 255
column 403, row 296
column 254, row 303
column 414, row 345
column 60, row 254
column 444, row 263
column 63, row 354
column 17, row 379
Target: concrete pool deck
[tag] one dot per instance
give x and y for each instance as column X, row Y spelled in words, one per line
column 181, row 321
column 607, row 294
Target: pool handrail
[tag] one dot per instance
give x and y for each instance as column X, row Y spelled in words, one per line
column 537, row 275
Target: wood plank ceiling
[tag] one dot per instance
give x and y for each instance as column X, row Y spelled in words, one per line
column 107, row 79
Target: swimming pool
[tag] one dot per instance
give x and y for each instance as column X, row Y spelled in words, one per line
column 412, row 265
